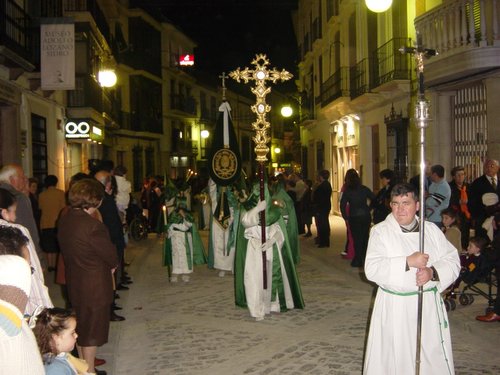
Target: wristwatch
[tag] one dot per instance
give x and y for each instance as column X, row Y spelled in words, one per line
column 435, row 276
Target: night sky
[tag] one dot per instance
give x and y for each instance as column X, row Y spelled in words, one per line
column 230, row 32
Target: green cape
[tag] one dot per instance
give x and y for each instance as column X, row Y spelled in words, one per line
column 241, row 251
column 198, row 249
column 292, row 227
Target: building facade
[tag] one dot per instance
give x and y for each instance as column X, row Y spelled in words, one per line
column 360, row 90
column 151, row 121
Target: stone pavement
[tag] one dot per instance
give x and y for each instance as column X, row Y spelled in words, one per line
column 194, row 328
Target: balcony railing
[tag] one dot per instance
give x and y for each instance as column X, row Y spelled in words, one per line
column 458, row 25
column 335, row 87
column 389, row 64
column 15, row 32
column 93, row 8
column 183, row 103
column 87, row 93
column 359, row 77
column 208, row 115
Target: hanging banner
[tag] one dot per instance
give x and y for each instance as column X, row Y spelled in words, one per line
column 57, row 49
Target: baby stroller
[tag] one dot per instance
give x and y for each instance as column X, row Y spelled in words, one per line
column 478, row 275
column 138, row 224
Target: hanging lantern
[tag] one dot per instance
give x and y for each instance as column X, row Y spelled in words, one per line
column 378, row 6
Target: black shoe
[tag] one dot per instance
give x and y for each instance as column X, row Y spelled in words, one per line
column 117, row 296
column 126, row 282
column 115, row 307
column 116, row 318
column 100, row 372
column 121, row 287
column 308, row 235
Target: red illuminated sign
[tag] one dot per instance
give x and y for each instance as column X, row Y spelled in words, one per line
column 186, row 60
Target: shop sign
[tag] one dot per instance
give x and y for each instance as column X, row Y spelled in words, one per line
column 186, row 60
column 57, row 54
column 78, row 130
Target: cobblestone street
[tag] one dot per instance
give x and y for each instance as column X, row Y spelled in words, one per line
column 195, row 328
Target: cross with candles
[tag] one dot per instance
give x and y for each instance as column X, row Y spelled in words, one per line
column 260, row 74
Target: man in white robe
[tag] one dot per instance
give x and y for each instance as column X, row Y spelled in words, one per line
column 283, row 289
column 394, row 262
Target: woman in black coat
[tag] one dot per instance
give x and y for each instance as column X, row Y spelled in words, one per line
column 359, row 217
column 90, row 258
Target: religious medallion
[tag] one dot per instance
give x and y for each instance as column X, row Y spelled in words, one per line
column 225, row 164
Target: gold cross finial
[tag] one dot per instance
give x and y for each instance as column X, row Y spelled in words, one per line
column 260, row 74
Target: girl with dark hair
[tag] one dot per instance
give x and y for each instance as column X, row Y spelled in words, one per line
column 55, row 332
column 451, row 227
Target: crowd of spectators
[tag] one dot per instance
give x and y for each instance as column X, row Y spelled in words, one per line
column 80, row 235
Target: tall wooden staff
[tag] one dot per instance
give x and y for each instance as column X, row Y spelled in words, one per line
column 421, row 121
column 260, row 74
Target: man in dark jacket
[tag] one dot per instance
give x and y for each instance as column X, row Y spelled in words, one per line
column 487, row 183
column 111, row 219
column 322, row 200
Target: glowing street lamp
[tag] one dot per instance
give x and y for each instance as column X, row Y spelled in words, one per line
column 286, row 111
column 107, row 78
column 205, row 134
column 378, row 6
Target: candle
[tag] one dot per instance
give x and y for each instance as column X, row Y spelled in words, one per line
column 164, row 215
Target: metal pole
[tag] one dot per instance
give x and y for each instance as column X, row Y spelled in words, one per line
column 422, row 108
column 422, row 119
column 263, row 222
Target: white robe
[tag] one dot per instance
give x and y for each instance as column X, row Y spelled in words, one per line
column 391, row 345
column 177, row 235
column 223, row 257
column 259, row 299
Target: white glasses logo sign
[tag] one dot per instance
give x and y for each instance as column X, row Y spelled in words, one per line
column 80, row 130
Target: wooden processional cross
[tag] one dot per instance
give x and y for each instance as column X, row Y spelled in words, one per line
column 260, row 74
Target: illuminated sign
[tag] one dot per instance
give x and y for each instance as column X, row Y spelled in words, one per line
column 80, row 130
column 186, row 60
